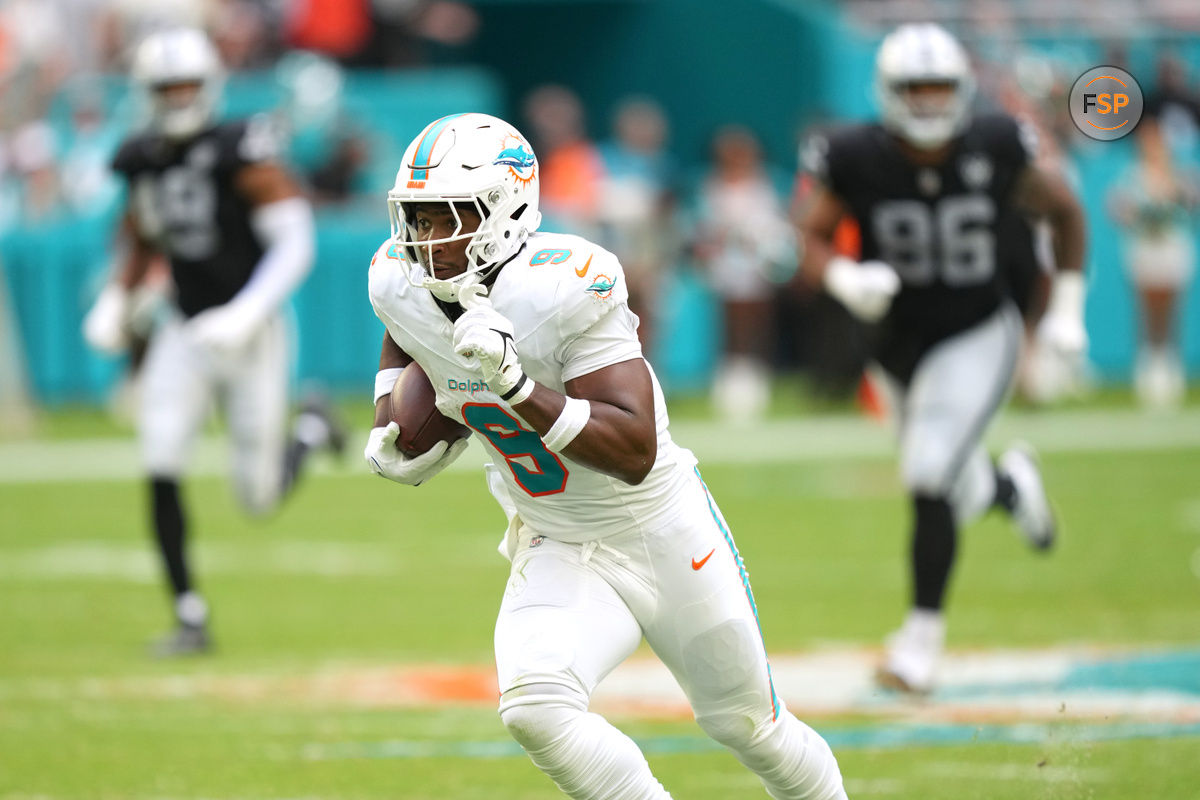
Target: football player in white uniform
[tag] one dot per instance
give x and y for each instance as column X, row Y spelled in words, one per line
column 238, row 234
column 612, row 534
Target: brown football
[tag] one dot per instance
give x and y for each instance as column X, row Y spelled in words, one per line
column 414, row 409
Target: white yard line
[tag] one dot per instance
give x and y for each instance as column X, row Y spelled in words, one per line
column 805, row 439
column 1080, row 684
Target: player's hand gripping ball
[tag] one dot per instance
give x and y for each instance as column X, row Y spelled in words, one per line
column 418, row 442
column 414, row 409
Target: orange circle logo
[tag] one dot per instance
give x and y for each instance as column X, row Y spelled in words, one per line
column 1106, row 103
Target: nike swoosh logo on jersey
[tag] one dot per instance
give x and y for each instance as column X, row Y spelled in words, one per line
column 698, row 564
column 581, row 271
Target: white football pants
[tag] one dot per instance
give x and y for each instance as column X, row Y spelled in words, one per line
column 572, row 612
column 943, row 413
column 180, row 382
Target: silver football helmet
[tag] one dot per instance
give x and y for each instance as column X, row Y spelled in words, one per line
column 472, row 159
column 176, row 58
column 923, row 55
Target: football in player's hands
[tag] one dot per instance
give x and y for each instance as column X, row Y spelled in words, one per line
column 414, row 409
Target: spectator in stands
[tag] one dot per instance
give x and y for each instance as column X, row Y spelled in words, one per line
column 1154, row 202
column 572, row 168
column 744, row 244
column 636, row 204
column 1175, row 107
column 33, row 153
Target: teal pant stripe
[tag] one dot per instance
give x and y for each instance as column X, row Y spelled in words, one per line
column 741, row 565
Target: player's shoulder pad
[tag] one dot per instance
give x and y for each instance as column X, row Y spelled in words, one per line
column 567, row 278
column 133, row 154
column 829, row 153
column 252, row 140
column 387, row 276
column 1005, row 134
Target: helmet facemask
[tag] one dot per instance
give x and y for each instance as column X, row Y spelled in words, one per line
column 926, row 113
column 468, row 161
column 484, row 244
column 179, row 118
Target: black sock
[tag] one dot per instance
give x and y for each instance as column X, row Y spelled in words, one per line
column 293, row 463
column 169, row 532
column 312, row 430
column 933, row 544
column 1006, row 492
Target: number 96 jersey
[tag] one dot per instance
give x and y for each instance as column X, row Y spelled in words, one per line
column 945, row 229
column 567, row 301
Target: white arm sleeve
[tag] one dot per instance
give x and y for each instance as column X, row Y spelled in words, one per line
column 286, row 230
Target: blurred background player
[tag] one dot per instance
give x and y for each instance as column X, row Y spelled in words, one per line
column 612, row 533
column 1155, row 203
column 933, row 189
column 238, row 235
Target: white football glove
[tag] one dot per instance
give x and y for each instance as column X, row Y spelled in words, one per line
column 866, row 289
column 105, row 328
column 1061, row 329
column 385, row 459
column 486, row 335
column 225, row 328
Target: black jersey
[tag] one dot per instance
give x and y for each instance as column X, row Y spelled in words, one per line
column 184, row 200
column 946, row 230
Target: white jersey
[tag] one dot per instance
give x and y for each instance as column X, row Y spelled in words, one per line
column 567, row 300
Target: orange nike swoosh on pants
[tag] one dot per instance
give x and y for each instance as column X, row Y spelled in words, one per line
column 698, row 564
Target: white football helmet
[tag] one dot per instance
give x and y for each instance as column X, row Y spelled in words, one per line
column 475, row 159
column 172, row 58
column 923, row 54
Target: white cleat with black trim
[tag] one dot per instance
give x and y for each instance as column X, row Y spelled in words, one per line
column 1031, row 510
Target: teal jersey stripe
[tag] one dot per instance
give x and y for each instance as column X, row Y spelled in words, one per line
column 741, row 565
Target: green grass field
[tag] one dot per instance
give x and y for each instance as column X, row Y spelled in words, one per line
column 319, row 611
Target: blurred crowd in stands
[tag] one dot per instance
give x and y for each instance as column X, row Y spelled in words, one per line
column 55, row 57
column 724, row 223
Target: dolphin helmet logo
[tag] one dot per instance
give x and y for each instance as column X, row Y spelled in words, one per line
column 520, row 161
column 515, row 157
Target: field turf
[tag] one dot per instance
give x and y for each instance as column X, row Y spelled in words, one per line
column 322, row 610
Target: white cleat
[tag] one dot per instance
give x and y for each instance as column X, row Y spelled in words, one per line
column 1032, row 511
column 913, row 653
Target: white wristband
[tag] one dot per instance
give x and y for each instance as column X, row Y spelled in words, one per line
column 385, row 381
column 1066, row 294
column 570, row 422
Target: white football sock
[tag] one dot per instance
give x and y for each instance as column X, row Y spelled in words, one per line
column 191, row 609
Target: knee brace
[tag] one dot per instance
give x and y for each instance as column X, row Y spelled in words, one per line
column 538, row 714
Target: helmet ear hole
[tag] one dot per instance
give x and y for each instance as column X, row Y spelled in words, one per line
column 521, row 210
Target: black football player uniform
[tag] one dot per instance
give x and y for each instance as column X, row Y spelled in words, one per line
column 185, row 203
column 947, row 230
